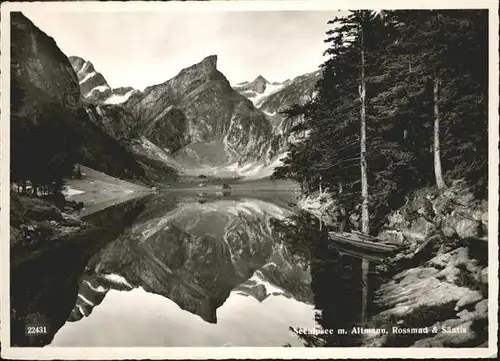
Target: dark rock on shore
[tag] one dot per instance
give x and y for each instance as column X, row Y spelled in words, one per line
column 35, row 220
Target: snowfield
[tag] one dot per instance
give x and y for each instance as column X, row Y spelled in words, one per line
column 270, row 89
column 116, row 278
column 100, row 88
column 118, row 99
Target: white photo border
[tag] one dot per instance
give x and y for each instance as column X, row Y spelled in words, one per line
column 100, row 353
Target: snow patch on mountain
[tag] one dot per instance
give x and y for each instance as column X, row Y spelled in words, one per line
column 99, row 288
column 87, row 77
column 85, row 67
column 118, row 99
column 85, row 300
column 298, row 138
column 118, row 279
column 259, row 98
column 256, row 170
column 100, row 88
column 260, row 279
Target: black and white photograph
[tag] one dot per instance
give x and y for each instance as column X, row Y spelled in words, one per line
column 228, row 179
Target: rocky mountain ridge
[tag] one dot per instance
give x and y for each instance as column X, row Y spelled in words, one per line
column 199, row 106
column 203, row 124
column 94, row 87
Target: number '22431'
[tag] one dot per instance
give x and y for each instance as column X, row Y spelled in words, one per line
column 36, row 330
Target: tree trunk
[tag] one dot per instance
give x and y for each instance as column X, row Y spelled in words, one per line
column 364, row 177
column 364, row 186
column 437, row 149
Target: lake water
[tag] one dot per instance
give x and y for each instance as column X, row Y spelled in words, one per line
column 183, row 269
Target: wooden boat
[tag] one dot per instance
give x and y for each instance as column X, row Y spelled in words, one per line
column 359, row 240
column 346, row 249
column 374, row 239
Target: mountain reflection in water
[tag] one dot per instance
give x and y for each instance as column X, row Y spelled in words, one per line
column 241, row 270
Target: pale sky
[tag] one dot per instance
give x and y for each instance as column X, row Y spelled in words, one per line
column 145, row 48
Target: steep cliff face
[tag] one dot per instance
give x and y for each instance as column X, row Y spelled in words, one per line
column 196, row 255
column 38, row 66
column 116, row 121
column 119, row 124
column 43, row 83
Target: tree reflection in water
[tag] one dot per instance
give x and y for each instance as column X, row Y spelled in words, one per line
column 336, row 280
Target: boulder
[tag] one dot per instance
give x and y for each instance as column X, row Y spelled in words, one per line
column 483, row 277
column 71, row 220
column 392, row 236
column 467, row 228
column 483, row 207
column 448, row 231
column 421, row 228
column 466, row 199
column 477, row 214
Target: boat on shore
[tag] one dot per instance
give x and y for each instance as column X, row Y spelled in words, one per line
column 360, row 240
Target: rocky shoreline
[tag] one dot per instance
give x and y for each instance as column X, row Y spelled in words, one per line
column 439, row 279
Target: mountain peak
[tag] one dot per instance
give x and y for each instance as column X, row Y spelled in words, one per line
column 206, row 66
column 210, row 63
column 260, row 78
column 81, row 65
